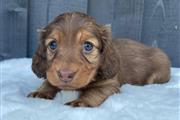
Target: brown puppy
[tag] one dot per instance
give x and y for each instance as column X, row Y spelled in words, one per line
column 76, row 53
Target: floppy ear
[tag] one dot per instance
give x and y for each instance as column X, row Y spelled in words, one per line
column 109, row 58
column 39, row 61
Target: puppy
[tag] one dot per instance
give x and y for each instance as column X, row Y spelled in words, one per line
column 76, row 53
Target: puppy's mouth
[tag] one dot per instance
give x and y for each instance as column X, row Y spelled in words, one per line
column 72, row 85
column 63, row 85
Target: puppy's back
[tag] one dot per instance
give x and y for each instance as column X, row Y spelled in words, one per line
column 141, row 64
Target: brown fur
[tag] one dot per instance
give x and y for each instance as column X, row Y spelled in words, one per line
column 98, row 74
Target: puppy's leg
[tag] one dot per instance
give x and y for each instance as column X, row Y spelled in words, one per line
column 46, row 90
column 95, row 94
column 157, row 78
column 161, row 64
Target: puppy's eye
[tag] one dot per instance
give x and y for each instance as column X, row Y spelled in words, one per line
column 53, row 45
column 87, row 47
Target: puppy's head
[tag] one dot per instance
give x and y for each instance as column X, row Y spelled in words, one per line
column 73, row 51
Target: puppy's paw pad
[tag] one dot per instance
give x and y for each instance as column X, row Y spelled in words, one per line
column 38, row 94
column 77, row 103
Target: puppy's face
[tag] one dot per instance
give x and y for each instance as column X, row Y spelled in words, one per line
column 73, row 57
column 73, row 50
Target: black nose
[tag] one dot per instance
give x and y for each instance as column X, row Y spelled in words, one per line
column 66, row 75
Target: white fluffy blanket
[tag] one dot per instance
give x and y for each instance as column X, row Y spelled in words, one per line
column 150, row 102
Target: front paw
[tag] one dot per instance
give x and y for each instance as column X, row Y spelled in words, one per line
column 78, row 103
column 40, row 94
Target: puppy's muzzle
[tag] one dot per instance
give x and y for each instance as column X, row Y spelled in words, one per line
column 66, row 75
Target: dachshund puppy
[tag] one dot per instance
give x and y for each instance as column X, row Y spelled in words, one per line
column 76, row 53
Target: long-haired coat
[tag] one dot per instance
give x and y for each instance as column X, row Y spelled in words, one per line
column 76, row 53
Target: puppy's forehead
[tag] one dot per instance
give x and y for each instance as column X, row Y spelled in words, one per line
column 73, row 27
column 71, row 22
